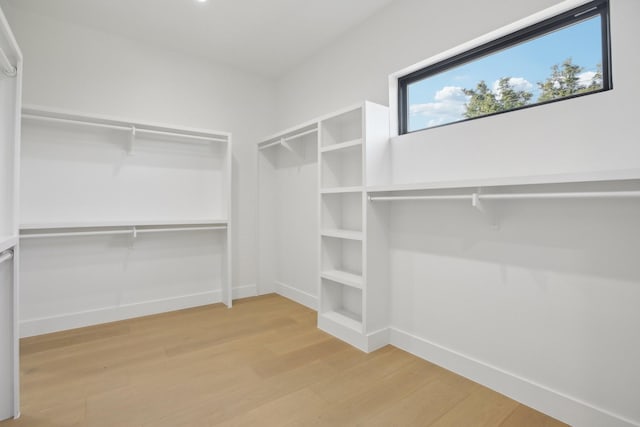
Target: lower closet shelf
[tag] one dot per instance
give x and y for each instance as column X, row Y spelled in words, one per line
column 342, row 234
column 349, row 279
column 344, row 318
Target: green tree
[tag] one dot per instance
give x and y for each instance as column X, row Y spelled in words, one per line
column 595, row 83
column 484, row 101
column 510, row 98
column 565, row 81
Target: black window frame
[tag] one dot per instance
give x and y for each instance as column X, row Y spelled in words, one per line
column 565, row 19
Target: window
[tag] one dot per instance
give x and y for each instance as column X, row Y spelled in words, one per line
column 559, row 58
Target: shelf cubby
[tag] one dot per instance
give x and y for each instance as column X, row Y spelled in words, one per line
column 341, row 128
column 342, row 168
column 342, row 304
column 342, row 255
column 342, row 211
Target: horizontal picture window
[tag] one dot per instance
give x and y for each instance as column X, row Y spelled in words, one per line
column 562, row 57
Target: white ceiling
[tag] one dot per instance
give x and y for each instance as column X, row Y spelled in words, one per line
column 263, row 36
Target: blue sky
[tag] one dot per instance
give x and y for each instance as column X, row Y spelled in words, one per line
column 439, row 99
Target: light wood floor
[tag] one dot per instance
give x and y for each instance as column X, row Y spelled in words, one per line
column 262, row 363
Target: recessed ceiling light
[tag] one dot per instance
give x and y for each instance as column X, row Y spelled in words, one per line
column 201, row 1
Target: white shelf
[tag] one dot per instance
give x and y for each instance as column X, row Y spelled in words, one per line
column 344, row 318
column 347, row 279
column 282, row 139
column 139, row 223
column 7, row 242
column 337, row 190
column 343, row 234
column 35, row 113
column 621, row 175
column 341, row 146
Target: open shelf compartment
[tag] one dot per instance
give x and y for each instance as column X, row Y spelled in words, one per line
column 342, row 255
column 342, row 128
column 341, row 304
column 342, row 168
column 342, row 211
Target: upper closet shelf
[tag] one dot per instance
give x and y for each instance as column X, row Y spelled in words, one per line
column 616, row 175
column 7, row 242
column 342, row 146
column 282, row 139
column 32, row 231
column 133, row 128
column 139, row 223
column 338, row 190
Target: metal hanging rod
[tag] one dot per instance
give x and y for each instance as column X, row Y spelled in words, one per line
column 390, row 198
column 288, row 138
column 133, row 128
column 8, row 69
column 78, row 122
column 160, row 230
column 181, row 135
column 516, row 196
column 6, row 256
column 132, row 230
column 75, row 233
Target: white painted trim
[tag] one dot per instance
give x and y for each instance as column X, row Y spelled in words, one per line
column 378, row 339
column 558, row 405
column 45, row 325
column 31, row 109
column 297, row 295
column 246, row 291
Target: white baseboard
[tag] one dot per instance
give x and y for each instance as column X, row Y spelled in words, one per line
column 378, row 339
column 45, row 325
column 246, row 291
column 558, row 405
column 297, row 295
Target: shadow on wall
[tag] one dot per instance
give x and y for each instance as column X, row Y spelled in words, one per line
column 594, row 237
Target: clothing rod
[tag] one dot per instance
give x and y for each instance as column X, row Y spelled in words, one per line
column 298, row 135
column 6, row 256
column 271, row 144
column 128, row 128
column 181, row 135
column 568, row 195
column 450, row 197
column 521, row 196
column 8, row 69
column 77, row 122
column 78, row 233
column 159, row 230
column 288, row 138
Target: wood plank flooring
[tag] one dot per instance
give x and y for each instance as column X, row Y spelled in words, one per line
column 262, row 363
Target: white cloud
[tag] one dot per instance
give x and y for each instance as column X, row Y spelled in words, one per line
column 517, row 83
column 584, row 79
column 449, row 106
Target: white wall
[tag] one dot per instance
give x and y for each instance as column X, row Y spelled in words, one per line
column 357, row 65
column 78, row 69
column 543, row 308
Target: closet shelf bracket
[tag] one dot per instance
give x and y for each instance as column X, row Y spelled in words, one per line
column 482, row 208
column 6, row 256
column 132, row 140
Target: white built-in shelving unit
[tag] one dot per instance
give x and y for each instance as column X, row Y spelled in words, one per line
column 120, row 218
column 315, row 226
column 353, row 285
column 288, row 213
column 10, row 104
